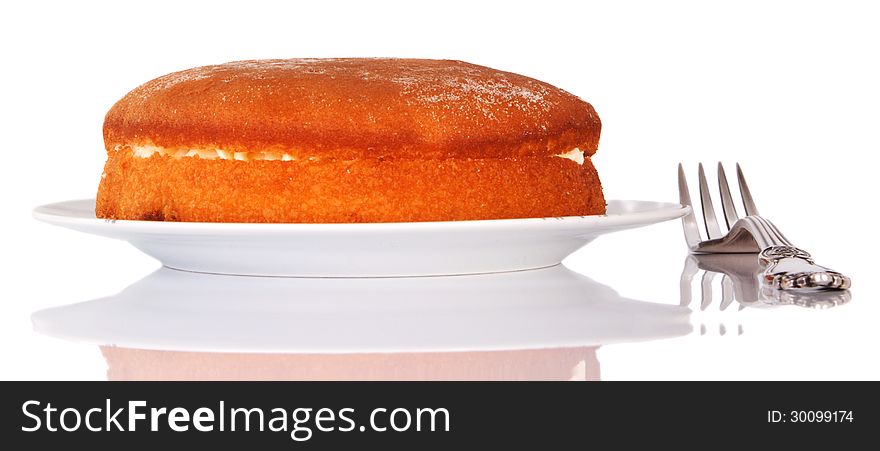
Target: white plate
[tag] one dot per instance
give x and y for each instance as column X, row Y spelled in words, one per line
column 173, row 310
column 362, row 250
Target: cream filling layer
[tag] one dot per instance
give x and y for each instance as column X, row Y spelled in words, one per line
column 209, row 154
column 147, row 151
column 576, row 155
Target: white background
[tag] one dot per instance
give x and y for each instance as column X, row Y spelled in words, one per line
column 788, row 89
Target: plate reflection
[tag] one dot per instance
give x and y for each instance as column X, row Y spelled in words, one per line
column 542, row 324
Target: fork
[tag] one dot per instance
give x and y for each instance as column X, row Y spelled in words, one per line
column 786, row 267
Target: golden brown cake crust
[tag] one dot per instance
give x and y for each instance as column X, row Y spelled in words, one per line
column 348, row 140
column 354, row 108
column 333, row 191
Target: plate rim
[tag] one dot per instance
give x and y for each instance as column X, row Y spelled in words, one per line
column 663, row 211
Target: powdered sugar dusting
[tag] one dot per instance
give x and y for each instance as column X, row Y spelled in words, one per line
column 251, row 69
column 425, row 83
column 169, row 81
column 499, row 92
column 379, row 104
column 469, row 86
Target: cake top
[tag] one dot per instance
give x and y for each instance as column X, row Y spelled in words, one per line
column 354, row 108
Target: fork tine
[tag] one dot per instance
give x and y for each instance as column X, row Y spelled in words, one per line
column 709, row 218
column 727, row 206
column 706, row 289
column 726, row 292
column 691, row 268
column 689, row 222
column 748, row 202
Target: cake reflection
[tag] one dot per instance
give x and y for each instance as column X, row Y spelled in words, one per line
column 562, row 364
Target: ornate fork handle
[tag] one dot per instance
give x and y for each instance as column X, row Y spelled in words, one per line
column 790, row 268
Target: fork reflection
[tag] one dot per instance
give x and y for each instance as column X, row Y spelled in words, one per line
column 740, row 282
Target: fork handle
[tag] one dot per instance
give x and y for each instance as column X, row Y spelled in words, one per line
column 790, row 268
